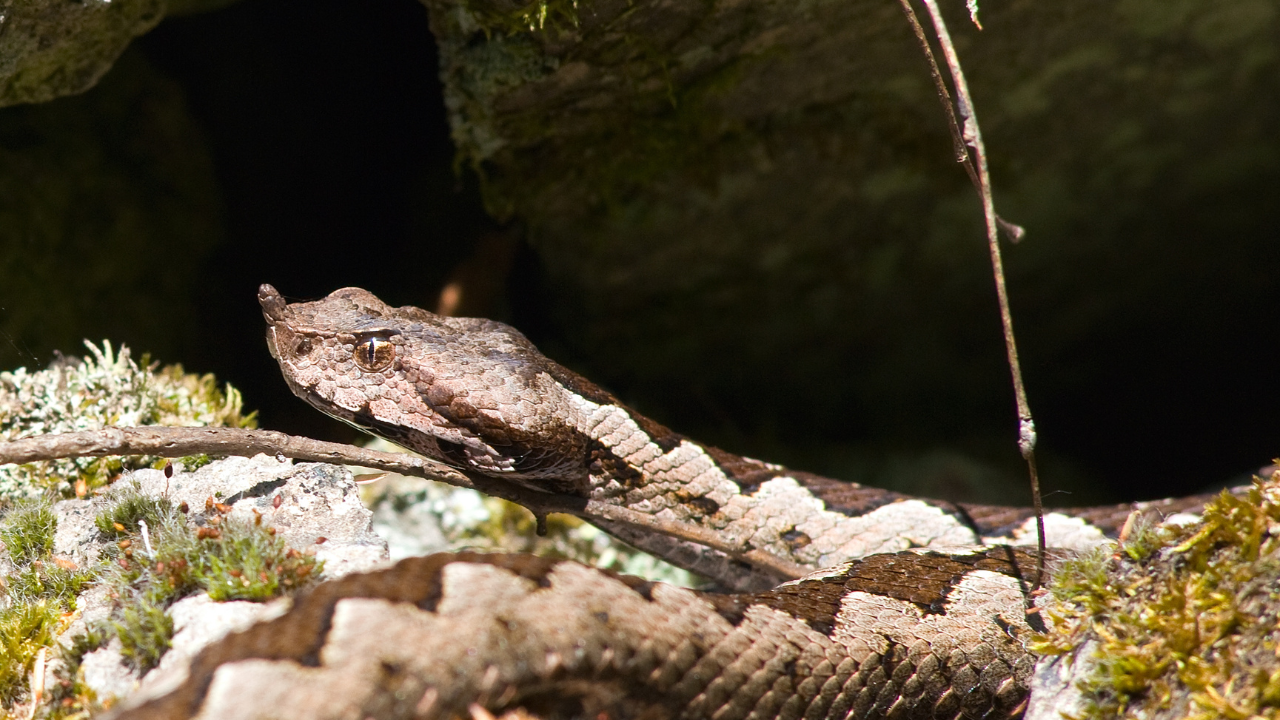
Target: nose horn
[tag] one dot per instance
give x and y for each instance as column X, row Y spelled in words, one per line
column 272, row 303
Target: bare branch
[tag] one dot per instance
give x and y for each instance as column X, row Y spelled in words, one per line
column 173, row 442
column 944, row 95
column 1014, row 231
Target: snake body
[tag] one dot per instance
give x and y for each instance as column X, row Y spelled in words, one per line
column 915, row 609
column 478, row 395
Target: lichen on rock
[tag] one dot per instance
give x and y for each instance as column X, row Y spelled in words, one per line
column 106, row 388
column 51, row 48
column 419, row 517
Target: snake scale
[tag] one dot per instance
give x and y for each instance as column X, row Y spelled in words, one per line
column 915, row 608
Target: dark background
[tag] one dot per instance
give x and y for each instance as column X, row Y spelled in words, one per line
column 332, row 152
column 330, row 147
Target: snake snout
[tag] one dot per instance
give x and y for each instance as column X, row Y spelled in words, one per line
column 272, row 303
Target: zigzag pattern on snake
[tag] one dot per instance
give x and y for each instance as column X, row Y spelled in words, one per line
column 916, row 609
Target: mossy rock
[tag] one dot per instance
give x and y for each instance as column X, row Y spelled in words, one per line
column 1178, row 621
column 52, row 48
column 108, row 208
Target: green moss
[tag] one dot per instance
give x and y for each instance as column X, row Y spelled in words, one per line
column 36, row 594
column 84, row 643
column 1084, row 578
column 27, row 531
column 24, row 629
column 68, row 694
column 192, row 463
column 1144, row 540
column 1183, row 618
column 172, row 574
column 248, row 562
column 48, row 582
column 232, row 561
column 228, row 559
column 540, row 15
column 122, row 517
column 145, row 632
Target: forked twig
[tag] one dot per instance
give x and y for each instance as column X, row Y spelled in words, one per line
column 1015, row 232
column 175, row 442
column 966, row 136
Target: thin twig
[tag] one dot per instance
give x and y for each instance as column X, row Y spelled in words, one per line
column 173, row 442
column 944, row 95
column 1014, row 231
column 966, row 133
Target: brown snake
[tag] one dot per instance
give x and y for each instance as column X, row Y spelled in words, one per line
column 917, row 609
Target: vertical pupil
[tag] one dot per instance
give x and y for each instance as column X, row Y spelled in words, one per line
column 373, row 353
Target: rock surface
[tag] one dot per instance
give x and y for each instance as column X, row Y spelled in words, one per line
column 304, row 502
column 199, row 621
column 108, row 208
column 49, row 49
column 1054, row 694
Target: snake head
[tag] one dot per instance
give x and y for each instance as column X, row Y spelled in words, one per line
column 470, row 392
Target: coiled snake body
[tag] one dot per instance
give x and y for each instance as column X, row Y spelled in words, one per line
column 915, row 609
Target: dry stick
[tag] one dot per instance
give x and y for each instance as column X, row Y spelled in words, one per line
column 174, row 442
column 967, row 133
column 1015, row 232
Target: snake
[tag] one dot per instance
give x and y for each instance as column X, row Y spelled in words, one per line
column 911, row 608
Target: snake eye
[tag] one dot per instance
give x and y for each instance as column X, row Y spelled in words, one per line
column 374, row 354
column 302, row 347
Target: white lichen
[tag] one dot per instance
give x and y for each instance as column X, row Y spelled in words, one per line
column 106, row 388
